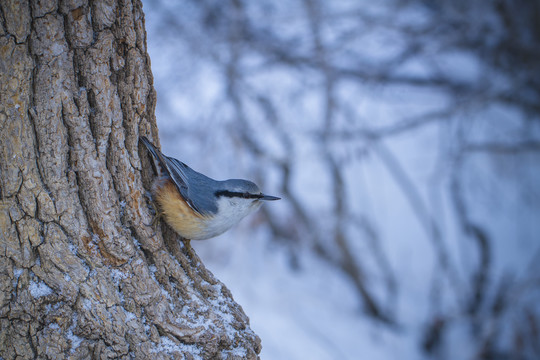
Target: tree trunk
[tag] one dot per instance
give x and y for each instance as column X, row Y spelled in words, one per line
column 83, row 274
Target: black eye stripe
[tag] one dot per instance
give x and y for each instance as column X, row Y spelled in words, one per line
column 231, row 194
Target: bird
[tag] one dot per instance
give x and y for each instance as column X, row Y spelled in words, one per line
column 198, row 207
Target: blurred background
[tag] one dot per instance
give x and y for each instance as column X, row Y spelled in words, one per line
column 404, row 139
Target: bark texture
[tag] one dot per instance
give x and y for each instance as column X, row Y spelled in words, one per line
column 82, row 273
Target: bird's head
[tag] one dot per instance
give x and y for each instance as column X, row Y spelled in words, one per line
column 240, row 196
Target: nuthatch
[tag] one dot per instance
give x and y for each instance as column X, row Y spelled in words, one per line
column 196, row 206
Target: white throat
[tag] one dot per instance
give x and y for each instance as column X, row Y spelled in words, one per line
column 230, row 212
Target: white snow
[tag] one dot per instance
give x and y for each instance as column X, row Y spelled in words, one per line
column 87, row 304
column 39, row 289
column 118, row 275
column 17, row 272
column 75, row 340
column 168, row 346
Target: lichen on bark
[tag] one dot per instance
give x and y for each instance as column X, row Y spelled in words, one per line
column 83, row 274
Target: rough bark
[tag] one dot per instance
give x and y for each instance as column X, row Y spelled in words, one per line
column 83, row 274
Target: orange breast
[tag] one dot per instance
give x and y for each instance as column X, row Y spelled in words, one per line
column 177, row 213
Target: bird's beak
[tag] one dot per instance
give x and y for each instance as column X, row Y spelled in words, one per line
column 268, row 197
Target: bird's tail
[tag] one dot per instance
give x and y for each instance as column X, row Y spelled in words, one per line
column 159, row 160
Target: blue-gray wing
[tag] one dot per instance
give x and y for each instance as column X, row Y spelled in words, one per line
column 178, row 175
column 194, row 187
column 200, row 189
